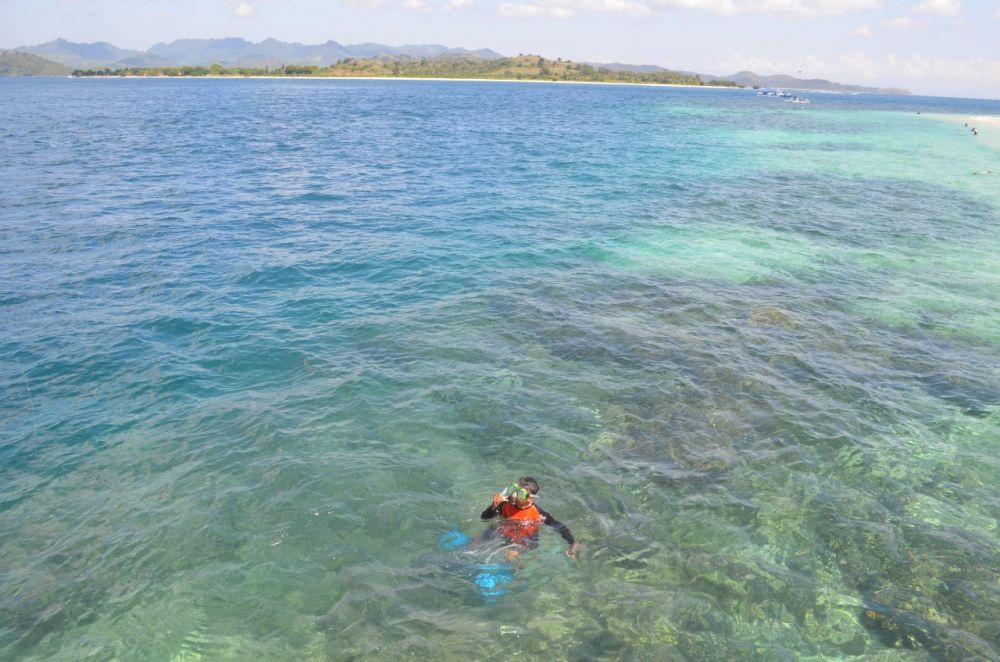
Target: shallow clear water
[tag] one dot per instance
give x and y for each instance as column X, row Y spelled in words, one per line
column 265, row 341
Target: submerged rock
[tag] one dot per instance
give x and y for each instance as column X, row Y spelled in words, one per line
column 838, row 627
column 770, row 316
column 898, row 628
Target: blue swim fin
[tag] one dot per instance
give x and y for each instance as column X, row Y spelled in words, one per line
column 453, row 540
column 491, row 578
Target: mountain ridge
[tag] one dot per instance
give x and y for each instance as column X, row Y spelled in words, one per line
column 750, row 79
column 229, row 51
column 271, row 52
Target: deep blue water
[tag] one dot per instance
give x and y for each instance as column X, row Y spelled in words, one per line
column 265, row 341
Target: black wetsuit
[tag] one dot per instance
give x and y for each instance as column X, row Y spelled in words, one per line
column 547, row 519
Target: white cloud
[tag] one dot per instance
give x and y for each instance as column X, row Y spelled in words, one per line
column 723, row 7
column 979, row 69
column 804, row 8
column 863, row 31
column 907, row 67
column 794, row 7
column 996, row 14
column 243, row 10
column 807, row 66
column 422, row 6
column 520, row 11
column 881, row 71
column 949, row 8
column 901, row 24
column 620, row 6
column 568, row 8
column 916, row 67
column 860, row 65
column 816, row 7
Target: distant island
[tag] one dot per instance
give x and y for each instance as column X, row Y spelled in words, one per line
column 271, row 57
column 522, row 67
column 750, row 79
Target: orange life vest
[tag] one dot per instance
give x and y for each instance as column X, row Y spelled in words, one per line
column 519, row 523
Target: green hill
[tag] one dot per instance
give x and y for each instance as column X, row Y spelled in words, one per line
column 522, row 67
column 13, row 63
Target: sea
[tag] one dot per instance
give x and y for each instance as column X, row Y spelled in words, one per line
column 269, row 347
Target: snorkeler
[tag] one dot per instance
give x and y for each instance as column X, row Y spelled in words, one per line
column 520, row 518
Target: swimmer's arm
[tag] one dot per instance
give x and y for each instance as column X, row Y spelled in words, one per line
column 494, row 509
column 558, row 526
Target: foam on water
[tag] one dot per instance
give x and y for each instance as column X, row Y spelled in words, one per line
column 267, row 342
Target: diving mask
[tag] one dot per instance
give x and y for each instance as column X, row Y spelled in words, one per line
column 515, row 490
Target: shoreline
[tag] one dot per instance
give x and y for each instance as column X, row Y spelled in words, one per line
column 987, row 127
column 985, row 119
column 412, row 78
column 970, row 121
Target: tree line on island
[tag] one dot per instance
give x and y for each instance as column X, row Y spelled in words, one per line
column 522, row 67
column 239, row 57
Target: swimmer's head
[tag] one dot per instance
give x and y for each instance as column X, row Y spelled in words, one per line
column 528, row 483
column 521, row 491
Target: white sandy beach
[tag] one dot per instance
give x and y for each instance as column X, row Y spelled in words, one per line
column 983, row 119
column 987, row 130
column 987, row 126
column 455, row 80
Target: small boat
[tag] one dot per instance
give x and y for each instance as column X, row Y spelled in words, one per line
column 798, row 99
column 770, row 92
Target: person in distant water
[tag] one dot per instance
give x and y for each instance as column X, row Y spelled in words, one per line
column 520, row 519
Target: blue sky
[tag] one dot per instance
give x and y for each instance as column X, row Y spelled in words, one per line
column 941, row 47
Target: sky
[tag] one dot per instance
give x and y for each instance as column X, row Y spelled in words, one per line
column 935, row 47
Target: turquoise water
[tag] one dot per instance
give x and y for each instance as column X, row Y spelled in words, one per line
column 265, row 342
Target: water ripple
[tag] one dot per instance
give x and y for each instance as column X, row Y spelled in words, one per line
column 265, row 341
